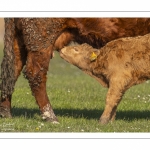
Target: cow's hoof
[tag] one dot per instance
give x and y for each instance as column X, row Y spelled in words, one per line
column 49, row 115
column 5, row 112
column 52, row 120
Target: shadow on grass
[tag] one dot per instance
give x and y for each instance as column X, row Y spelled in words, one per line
column 28, row 113
column 83, row 113
column 95, row 114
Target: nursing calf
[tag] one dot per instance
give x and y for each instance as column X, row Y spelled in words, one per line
column 118, row 65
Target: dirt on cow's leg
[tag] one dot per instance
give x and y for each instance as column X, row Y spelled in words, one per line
column 36, row 71
column 113, row 98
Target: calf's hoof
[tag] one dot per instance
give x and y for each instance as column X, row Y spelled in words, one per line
column 5, row 112
column 103, row 120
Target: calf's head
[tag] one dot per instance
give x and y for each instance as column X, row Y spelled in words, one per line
column 80, row 55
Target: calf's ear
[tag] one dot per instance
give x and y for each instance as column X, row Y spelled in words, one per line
column 93, row 56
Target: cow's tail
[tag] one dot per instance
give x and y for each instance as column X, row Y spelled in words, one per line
column 8, row 62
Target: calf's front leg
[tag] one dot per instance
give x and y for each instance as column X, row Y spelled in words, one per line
column 113, row 98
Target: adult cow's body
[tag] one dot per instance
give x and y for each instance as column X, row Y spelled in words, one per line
column 30, row 42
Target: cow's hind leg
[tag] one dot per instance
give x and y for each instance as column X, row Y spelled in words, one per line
column 19, row 61
column 36, row 71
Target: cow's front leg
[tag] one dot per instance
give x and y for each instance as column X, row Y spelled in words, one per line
column 113, row 98
column 36, row 71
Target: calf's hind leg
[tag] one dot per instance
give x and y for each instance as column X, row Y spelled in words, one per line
column 36, row 71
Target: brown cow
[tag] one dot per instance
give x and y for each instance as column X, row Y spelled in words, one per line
column 118, row 65
column 29, row 43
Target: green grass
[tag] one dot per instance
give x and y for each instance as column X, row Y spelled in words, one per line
column 78, row 101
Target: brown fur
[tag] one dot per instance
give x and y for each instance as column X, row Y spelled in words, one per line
column 119, row 65
column 29, row 44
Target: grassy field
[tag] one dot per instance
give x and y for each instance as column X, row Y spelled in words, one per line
column 78, row 101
